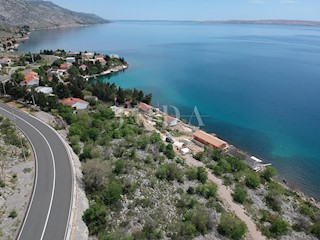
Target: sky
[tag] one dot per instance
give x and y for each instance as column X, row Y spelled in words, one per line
column 197, row 9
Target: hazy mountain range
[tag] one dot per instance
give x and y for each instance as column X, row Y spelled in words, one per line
column 42, row 14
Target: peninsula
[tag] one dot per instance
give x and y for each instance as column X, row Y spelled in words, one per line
column 267, row 22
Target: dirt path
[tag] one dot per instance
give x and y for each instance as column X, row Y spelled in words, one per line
column 224, row 193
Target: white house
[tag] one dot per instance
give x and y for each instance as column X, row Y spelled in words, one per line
column 76, row 103
column 70, row 60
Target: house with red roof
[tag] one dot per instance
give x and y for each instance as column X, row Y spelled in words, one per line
column 83, row 67
column 64, row 66
column 75, row 103
column 207, row 139
column 145, row 108
column 170, row 121
column 6, row 61
column 102, row 61
column 30, row 80
column 99, row 57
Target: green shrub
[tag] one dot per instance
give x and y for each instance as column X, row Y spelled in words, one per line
column 112, row 193
column 169, row 172
column 202, row 174
column 192, row 173
column 119, row 166
column 200, row 220
column 188, row 229
column 268, row 173
column 305, row 209
column 231, row 227
column 191, row 190
column 239, row 194
column 252, row 181
column 95, row 218
column 13, row 214
column 207, row 190
column 315, row 230
column 278, row 227
column 169, row 152
column 200, row 156
column 274, row 202
column 76, row 148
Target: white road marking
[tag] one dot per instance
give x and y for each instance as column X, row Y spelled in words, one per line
column 54, row 179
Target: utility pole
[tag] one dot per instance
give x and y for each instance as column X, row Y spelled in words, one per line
column 4, row 88
column 34, row 102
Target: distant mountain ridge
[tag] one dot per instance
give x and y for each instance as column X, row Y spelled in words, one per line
column 41, row 14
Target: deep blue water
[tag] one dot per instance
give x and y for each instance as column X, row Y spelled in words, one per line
column 257, row 86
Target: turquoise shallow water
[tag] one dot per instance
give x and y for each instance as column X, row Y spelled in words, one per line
column 256, row 86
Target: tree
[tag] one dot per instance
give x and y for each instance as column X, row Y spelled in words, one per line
column 62, row 90
column 169, row 152
column 112, row 193
column 232, row 227
column 315, row 230
column 3, row 163
column 119, row 166
column 202, row 174
column 95, row 218
column 239, row 194
column 95, row 174
column 93, row 133
column 278, row 227
column 200, row 156
column 269, row 173
column 252, row 181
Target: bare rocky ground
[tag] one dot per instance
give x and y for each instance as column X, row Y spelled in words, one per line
column 79, row 228
column 15, row 195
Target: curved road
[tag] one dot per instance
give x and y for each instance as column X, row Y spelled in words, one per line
column 48, row 214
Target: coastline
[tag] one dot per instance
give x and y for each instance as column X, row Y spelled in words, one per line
column 278, row 178
column 107, row 72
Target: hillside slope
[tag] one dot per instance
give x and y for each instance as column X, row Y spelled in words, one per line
column 42, row 14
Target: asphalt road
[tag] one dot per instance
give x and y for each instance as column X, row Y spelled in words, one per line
column 48, row 214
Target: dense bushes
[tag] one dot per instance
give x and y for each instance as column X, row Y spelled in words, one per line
column 229, row 165
column 231, row 227
column 268, row 173
column 239, row 194
column 95, row 218
column 199, row 173
column 252, row 180
column 169, row 172
column 112, row 193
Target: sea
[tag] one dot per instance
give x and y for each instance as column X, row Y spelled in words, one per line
column 255, row 86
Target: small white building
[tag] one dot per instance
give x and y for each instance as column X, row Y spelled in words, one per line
column 75, row 103
column 70, row 60
column 45, row 90
column 185, row 151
